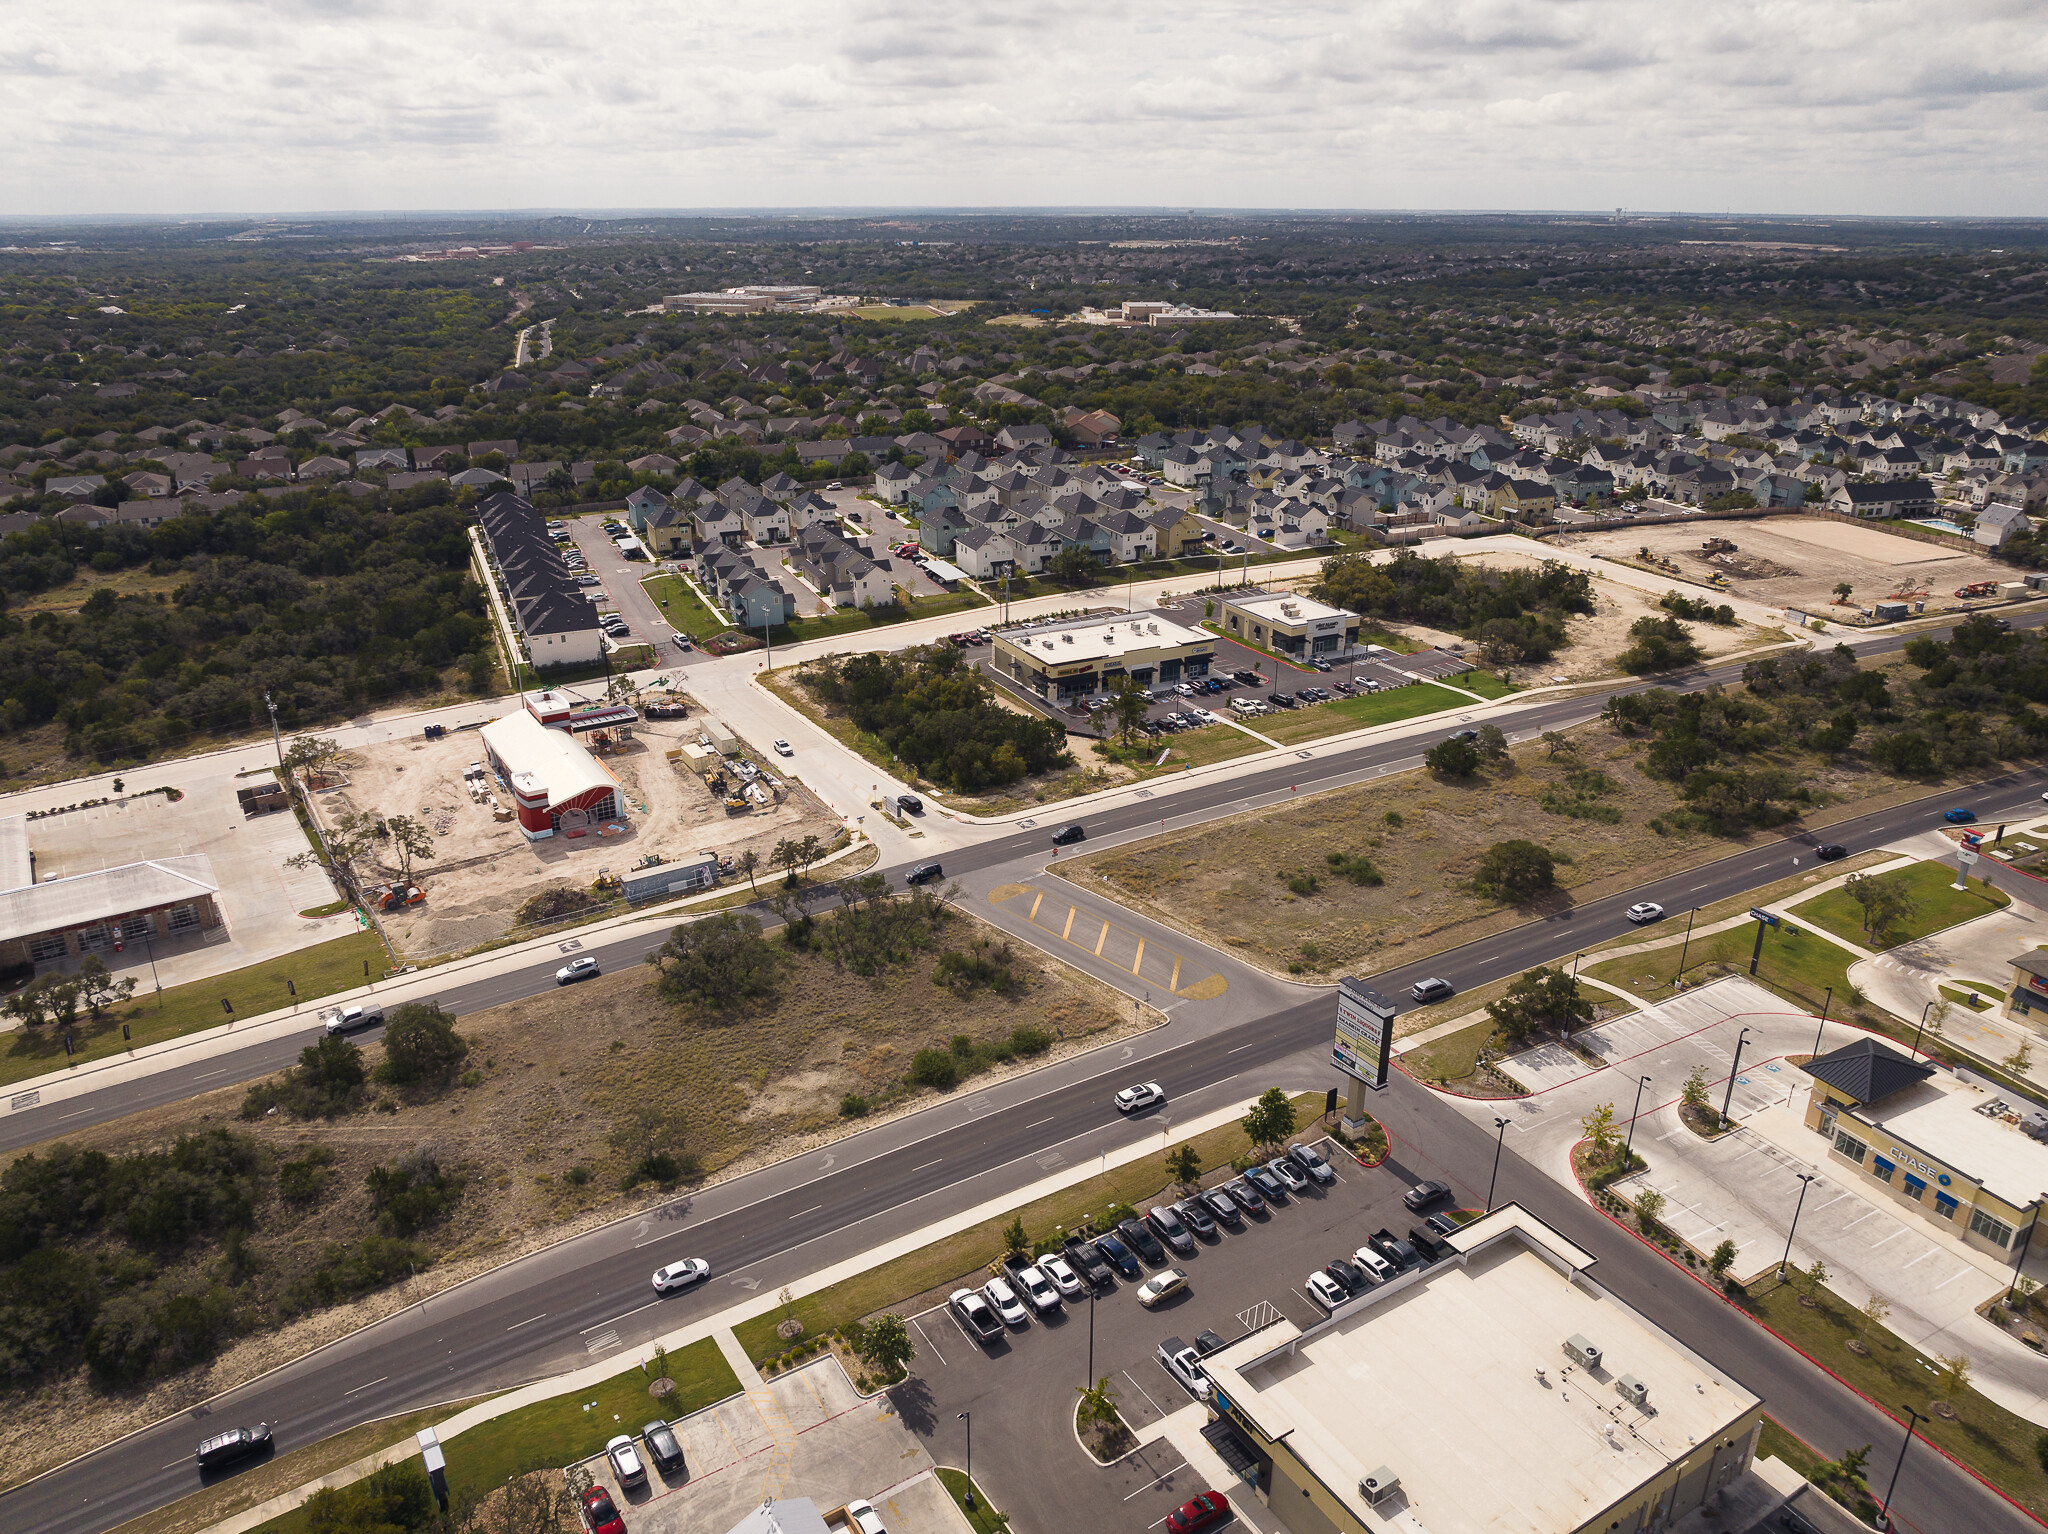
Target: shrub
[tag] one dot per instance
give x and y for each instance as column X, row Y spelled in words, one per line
column 1356, row 867
column 412, row 1192
column 1515, row 870
column 1027, row 1040
column 934, row 1068
column 1302, row 883
column 853, row 1106
column 421, row 1046
column 327, row 1081
column 303, row 1176
column 158, row 1330
column 370, row 1263
column 577, row 1175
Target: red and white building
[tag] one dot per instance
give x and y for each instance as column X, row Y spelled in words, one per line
column 557, row 786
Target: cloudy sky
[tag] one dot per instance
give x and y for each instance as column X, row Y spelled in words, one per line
column 201, row 106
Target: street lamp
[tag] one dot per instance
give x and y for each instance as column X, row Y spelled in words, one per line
column 1734, row 1070
column 1628, row 1148
column 1677, row 978
column 1502, row 1126
column 1884, row 1511
column 1805, row 1182
column 1923, row 1024
column 969, row 1498
column 1823, row 1019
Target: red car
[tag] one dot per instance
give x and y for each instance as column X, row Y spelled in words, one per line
column 604, row 1518
column 1210, row 1508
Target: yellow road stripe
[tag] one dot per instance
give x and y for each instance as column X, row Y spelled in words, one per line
column 1174, row 983
column 1101, row 940
column 1140, row 959
column 1034, row 906
column 1067, row 930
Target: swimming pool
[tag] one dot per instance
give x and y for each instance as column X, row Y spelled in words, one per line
column 1940, row 525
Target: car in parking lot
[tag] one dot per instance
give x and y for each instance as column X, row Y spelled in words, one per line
column 1402, row 1254
column 1171, row 1228
column 975, row 1315
column 1346, row 1273
column 1003, row 1300
column 1134, row 1234
column 1266, row 1185
column 1306, row 1158
column 1288, row 1174
column 1195, row 1215
column 1118, row 1256
column 1827, row 852
column 1959, row 816
column 1373, row 1265
column 663, row 1448
column 584, row 968
column 1247, row 1198
column 1068, row 834
column 1185, row 1365
column 1038, row 1289
column 1223, row 1207
column 1423, row 1194
column 861, row 1516
column 625, row 1460
column 681, row 1275
column 600, row 1513
column 1064, row 1278
column 1161, row 1287
column 1207, row 1342
column 1644, row 910
column 1146, row 1094
column 1435, row 988
column 1325, row 1290
column 1197, row 1513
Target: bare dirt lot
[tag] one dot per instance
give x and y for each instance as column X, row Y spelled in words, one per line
column 533, row 1140
column 1819, row 552
column 1229, row 882
column 482, row 868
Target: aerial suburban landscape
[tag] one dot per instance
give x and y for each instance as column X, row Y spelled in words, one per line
column 900, row 866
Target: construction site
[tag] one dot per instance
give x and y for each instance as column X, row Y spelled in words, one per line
column 647, row 802
column 1796, row 562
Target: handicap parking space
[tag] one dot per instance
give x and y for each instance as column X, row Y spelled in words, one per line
column 1020, row 1392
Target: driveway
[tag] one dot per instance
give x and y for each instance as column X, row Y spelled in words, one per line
column 1022, row 1391
column 1904, row 980
column 620, row 579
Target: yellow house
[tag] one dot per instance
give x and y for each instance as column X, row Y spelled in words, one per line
column 1530, row 500
column 1960, row 1155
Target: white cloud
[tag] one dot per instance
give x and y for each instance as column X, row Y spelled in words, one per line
column 192, row 106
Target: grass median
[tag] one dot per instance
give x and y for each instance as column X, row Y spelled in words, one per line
column 321, row 970
column 965, row 1254
column 1361, row 712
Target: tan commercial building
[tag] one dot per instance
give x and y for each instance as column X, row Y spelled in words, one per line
column 1962, row 1156
column 1289, row 624
column 1500, row 1389
column 1075, row 656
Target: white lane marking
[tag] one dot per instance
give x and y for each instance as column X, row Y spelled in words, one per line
column 203, row 1075
column 527, row 1322
column 802, row 1212
column 615, row 1320
column 926, row 1164
column 1041, row 1121
column 380, row 1379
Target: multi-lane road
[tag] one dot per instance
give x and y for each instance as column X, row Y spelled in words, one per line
column 543, row 1314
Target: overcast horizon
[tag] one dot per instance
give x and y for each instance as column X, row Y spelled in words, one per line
column 372, row 108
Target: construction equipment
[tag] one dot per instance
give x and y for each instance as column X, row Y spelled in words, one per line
column 607, row 884
column 396, row 897
column 1712, row 546
column 1977, row 589
column 652, row 860
column 1718, row 581
column 736, row 803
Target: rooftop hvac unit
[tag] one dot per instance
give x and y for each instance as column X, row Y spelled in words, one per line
column 1581, row 1352
column 1633, row 1391
column 1378, row 1486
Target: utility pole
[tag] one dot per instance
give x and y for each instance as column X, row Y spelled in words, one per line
column 1502, row 1126
column 276, row 739
column 1884, row 1512
column 1734, row 1070
column 1680, row 976
column 1805, row 1182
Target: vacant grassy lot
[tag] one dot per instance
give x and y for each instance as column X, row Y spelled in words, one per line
column 1801, row 969
column 1936, row 904
column 1320, row 719
column 965, row 1255
column 322, row 970
column 683, row 607
column 1985, row 1436
column 533, row 1138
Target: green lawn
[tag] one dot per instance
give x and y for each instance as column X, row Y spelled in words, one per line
column 1451, row 1058
column 1485, row 683
column 1800, row 969
column 970, row 1250
column 1192, row 748
column 1357, row 713
column 336, row 965
column 563, row 1429
column 984, row 1518
column 1936, row 904
column 683, row 608
column 852, row 620
column 1985, row 1436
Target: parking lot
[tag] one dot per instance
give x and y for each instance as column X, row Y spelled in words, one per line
column 618, row 589
column 1022, row 1389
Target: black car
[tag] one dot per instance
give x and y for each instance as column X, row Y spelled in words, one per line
column 1223, row 1207
column 1066, row 834
column 1196, row 1213
column 1246, row 1197
column 1442, row 1224
column 924, row 873
column 1088, row 1262
column 236, row 1443
column 1141, row 1241
column 1395, row 1250
column 1827, row 852
column 1349, row 1274
column 662, row 1448
column 1118, row 1256
column 1280, row 699
column 1423, row 1194
column 1208, row 1342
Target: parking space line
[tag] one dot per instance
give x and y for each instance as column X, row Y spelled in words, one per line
column 1892, row 1237
column 1922, row 1257
column 1141, row 1391
column 928, row 1339
column 1959, row 1273
column 1162, row 1476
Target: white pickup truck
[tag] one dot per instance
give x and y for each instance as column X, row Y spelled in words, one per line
column 1185, row 1365
column 348, row 1019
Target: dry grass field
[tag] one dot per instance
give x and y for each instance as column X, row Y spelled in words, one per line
column 532, row 1139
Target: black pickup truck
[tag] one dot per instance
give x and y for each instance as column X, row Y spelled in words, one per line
column 1086, row 1261
column 1401, row 1254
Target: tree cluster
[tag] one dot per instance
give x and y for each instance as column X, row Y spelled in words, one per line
column 1515, row 615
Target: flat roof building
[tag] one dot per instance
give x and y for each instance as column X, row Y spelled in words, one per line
column 1500, row 1389
column 1958, row 1152
column 102, row 911
column 1288, row 624
column 1073, row 656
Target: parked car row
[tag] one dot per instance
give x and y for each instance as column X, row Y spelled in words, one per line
column 1383, row 1258
column 1083, row 1265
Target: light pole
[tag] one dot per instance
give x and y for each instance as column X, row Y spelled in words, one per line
column 1682, row 947
column 969, row 1498
column 1923, row 1025
column 1823, row 1019
column 1805, row 1182
column 1502, row 1126
column 1884, row 1511
column 1734, row 1070
column 1628, row 1147
column 1089, row 1384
